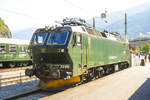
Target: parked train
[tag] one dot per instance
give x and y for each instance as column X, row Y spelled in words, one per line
column 14, row 52
column 74, row 53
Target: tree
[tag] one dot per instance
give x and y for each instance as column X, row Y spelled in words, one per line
column 138, row 48
column 4, row 30
column 141, row 47
column 146, row 47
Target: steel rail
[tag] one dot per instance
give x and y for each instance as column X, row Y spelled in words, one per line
column 14, row 69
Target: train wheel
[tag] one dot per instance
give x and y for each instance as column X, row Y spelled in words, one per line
column 99, row 72
column 11, row 65
column 24, row 64
column 5, row 65
column 93, row 74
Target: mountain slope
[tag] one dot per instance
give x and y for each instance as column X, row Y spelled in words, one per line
column 4, row 30
column 138, row 21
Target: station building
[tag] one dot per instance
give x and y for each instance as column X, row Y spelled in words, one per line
column 140, row 40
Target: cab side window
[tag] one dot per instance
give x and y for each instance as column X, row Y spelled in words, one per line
column 12, row 48
column 2, row 48
column 77, row 40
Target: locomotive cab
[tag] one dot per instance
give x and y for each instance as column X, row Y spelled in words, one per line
column 51, row 60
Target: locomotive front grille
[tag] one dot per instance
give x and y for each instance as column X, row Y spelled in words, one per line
column 53, row 71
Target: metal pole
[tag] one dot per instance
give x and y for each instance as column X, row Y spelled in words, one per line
column 20, row 79
column 93, row 23
column 0, row 81
column 125, row 26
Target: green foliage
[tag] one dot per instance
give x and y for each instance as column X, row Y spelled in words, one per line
column 147, row 48
column 2, row 25
column 4, row 30
column 141, row 48
column 138, row 48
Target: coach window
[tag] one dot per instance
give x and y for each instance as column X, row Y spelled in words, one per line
column 22, row 49
column 2, row 48
column 12, row 48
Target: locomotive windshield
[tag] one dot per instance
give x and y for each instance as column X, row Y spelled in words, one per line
column 58, row 38
column 39, row 38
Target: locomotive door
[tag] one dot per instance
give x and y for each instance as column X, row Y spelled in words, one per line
column 82, row 42
column 85, row 52
column 77, row 51
column 83, row 46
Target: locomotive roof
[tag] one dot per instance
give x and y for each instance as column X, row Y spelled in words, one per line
column 79, row 25
column 14, row 41
column 86, row 30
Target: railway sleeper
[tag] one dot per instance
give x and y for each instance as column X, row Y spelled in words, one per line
column 15, row 64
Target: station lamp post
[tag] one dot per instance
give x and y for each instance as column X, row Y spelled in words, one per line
column 103, row 16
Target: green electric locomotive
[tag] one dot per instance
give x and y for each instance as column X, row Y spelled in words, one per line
column 14, row 52
column 74, row 53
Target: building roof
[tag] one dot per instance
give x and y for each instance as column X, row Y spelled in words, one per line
column 141, row 37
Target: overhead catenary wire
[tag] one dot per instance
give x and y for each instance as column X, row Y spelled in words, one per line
column 85, row 10
column 78, row 7
column 17, row 13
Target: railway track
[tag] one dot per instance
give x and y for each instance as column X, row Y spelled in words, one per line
column 15, row 80
column 34, row 93
column 14, row 69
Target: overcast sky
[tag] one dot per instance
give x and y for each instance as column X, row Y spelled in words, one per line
column 22, row 14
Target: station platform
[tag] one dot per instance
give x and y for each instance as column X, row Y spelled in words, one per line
column 129, row 84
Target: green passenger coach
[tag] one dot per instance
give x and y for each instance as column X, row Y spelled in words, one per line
column 75, row 53
column 14, row 52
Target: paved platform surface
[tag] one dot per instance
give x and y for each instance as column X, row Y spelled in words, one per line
column 130, row 84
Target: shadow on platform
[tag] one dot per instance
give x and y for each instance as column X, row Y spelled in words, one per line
column 143, row 92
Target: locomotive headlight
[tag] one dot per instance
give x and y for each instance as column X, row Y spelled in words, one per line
column 55, row 74
column 62, row 50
